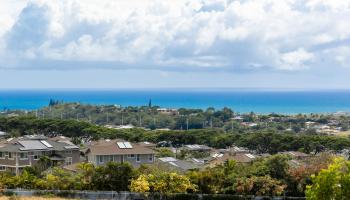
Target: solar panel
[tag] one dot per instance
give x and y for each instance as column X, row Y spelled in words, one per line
column 121, row 145
column 31, row 144
column 172, row 163
column 127, row 145
column 250, row 155
column 46, row 143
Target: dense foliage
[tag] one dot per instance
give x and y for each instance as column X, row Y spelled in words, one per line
column 270, row 176
column 331, row 183
column 262, row 141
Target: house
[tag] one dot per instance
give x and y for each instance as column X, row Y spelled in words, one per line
column 197, row 147
column 176, row 164
column 128, row 126
column 17, row 153
column 168, row 111
column 221, row 158
column 3, row 134
column 104, row 151
column 296, row 154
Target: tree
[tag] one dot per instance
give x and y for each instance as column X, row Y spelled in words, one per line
column 331, row 183
column 162, row 182
column 113, row 176
column 263, row 185
column 278, row 166
column 165, row 152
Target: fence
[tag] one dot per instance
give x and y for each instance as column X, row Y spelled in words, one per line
column 123, row 195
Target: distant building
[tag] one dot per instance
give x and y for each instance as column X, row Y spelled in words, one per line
column 17, row 153
column 104, row 151
column 296, row 154
column 220, row 158
column 238, row 118
column 176, row 164
column 3, row 134
column 128, row 126
column 197, row 147
column 168, row 111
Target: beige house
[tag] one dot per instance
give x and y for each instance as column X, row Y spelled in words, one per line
column 17, row 153
column 104, row 151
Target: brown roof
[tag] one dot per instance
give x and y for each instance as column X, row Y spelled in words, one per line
column 110, row 147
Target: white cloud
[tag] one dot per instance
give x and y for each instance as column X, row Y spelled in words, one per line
column 295, row 59
column 228, row 34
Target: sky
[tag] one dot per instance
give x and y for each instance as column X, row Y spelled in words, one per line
column 297, row 44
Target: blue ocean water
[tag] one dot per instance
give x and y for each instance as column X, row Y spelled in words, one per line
column 288, row 102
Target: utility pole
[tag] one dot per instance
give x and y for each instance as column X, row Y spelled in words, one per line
column 107, row 119
column 187, row 123
column 122, row 119
column 77, row 116
column 140, row 123
column 231, row 124
column 211, row 122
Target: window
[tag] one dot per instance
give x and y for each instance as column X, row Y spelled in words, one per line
column 150, row 157
column 68, row 161
column 131, row 155
column 69, row 152
column 2, row 168
column 23, row 156
column 138, row 158
column 10, row 155
column 100, row 159
column 2, row 155
column 36, row 155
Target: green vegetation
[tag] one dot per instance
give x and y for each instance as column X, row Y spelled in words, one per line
column 331, row 183
column 271, row 134
column 263, row 141
column 270, row 176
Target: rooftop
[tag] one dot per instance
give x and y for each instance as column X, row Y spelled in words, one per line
column 117, row 147
column 33, row 143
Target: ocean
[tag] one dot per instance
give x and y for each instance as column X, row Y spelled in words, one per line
column 268, row 101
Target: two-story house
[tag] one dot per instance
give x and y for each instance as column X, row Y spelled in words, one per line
column 17, row 153
column 103, row 151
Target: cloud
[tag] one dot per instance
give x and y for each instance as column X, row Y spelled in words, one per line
column 295, row 59
column 179, row 35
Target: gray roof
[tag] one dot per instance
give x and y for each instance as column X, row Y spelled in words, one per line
column 178, row 164
column 35, row 145
column 32, row 145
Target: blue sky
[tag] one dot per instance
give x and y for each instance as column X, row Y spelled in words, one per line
column 169, row 44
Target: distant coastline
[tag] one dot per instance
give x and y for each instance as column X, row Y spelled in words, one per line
column 289, row 101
